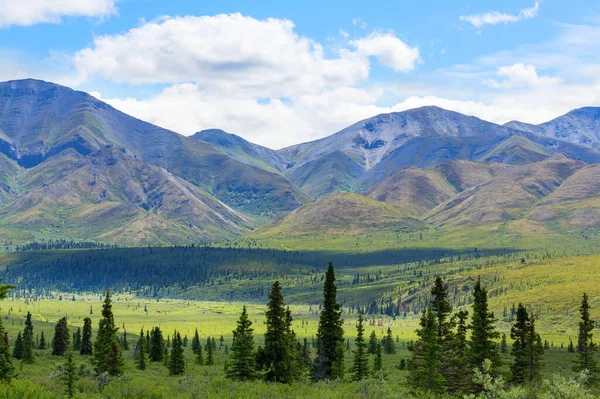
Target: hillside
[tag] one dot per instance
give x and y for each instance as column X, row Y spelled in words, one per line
column 344, row 214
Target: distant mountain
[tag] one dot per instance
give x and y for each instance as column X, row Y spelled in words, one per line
column 580, row 126
column 39, row 120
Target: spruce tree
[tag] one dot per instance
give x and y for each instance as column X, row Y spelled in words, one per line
column 140, row 355
column 195, row 342
column 360, row 365
column 425, row 366
column 18, row 348
column 329, row 358
column 456, row 368
column 278, row 356
column 6, row 367
column 69, row 376
column 177, row 361
column 28, row 341
column 585, row 345
column 4, row 288
column 503, row 344
column 526, row 351
column 107, row 353
column 243, row 357
column 372, row 343
column 210, row 359
column 157, row 345
column 87, row 348
column 378, row 360
column 77, row 340
column 60, row 342
column 42, row 341
column 483, row 332
column 125, row 341
column 306, row 353
column 389, row 345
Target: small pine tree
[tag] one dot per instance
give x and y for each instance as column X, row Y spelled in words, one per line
column 378, row 360
column 210, row 360
column 69, row 376
column 77, row 340
column 107, row 353
column 243, row 358
column 140, row 356
column 389, row 345
column 177, row 361
column 60, row 342
column 18, row 348
column 43, row 344
column 157, row 345
column 360, row 366
column 87, row 348
column 196, row 342
column 125, row 341
column 503, row 344
column 372, row 343
column 28, row 341
column 585, row 345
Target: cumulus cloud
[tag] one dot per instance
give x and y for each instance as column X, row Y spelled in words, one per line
column 495, row 17
column 389, row 50
column 519, row 76
column 30, row 12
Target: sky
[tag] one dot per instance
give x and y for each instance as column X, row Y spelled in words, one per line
column 283, row 72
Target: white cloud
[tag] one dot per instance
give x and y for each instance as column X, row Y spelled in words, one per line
column 232, row 53
column 389, row 50
column 30, row 12
column 519, row 76
column 495, row 17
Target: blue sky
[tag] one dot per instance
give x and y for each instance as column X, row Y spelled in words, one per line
column 283, row 72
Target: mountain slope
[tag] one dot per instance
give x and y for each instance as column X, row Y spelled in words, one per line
column 40, row 119
column 343, row 214
column 110, row 196
column 580, row 126
column 415, row 190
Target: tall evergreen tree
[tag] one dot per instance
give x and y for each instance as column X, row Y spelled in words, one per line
column 177, row 361
column 277, row 357
column 107, row 353
column 527, row 354
column 329, row 360
column 196, row 342
column 140, row 355
column 28, row 340
column 60, row 342
column 503, row 344
column 585, row 344
column 199, row 355
column 6, row 367
column 18, row 348
column 360, row 365
column 243, row 357
column 157, row 345
column 87, row 348
column 42, row 341
column 125, row 341
column 456, row 368
column 425, row 365
column 77, row 340
column 483, row 331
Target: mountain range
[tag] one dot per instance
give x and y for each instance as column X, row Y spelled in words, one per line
column 72, row 166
